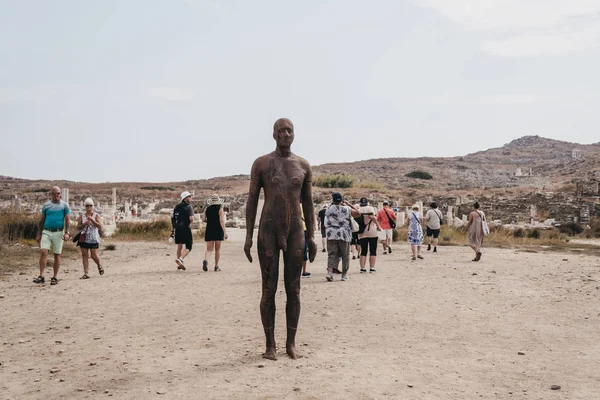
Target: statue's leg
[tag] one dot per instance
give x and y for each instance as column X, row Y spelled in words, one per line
column 268, row 256
column 292, row 270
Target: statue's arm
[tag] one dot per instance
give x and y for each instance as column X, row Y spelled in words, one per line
column 253, row 193
column 307, row 203
column 309, row 213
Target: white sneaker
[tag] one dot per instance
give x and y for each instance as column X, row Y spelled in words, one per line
column 329, row 277
column 345, row 277
column 180, row 264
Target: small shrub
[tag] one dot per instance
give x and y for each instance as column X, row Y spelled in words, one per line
column 334, row 181
column 534, row 234
column 570, row 228
column 419, row 175
column 371, row 185
column 152, row 230
column 41, row 190
column 16, row 226
column 519, row 233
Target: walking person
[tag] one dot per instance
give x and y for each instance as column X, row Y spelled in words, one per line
column 475, row 230
column 215, row 230
column 339, row 235
column 53, row 230
column 183, row 216
column 415, row 232
column 386, row 217
column 368, row 238
column 321, row 226
column 434, row 220
column 88, row 225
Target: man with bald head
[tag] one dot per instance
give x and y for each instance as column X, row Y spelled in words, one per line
column 54, row 228
column 287, row 183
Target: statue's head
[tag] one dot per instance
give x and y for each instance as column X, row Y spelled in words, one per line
column 283, row 132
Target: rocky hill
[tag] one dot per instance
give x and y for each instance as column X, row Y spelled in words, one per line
column 531, row 163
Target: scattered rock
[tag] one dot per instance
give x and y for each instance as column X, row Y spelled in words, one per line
column 474, row 273
column 409, row 386
column 161, row 391
column 1, row 296
column 521, row 353
column 97, row 338
column 21, row 273
column 58, row 341
column 68, row 327
column 555, row 387
column 54, row 370
column 296, row 389
column 92, row 363
column 106, row 391
column 80, row 390
column 261, row 365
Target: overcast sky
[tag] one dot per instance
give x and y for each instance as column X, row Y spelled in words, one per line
column 170, row 90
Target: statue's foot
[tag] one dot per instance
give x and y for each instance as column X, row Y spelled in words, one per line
column 291, row 351
column 270, row 354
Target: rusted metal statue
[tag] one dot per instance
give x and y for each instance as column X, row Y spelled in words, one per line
column 287, row 182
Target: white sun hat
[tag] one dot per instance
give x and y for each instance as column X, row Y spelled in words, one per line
column 185, row 194
column 88, row 202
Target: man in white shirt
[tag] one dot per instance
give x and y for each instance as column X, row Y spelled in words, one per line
column 434, row 221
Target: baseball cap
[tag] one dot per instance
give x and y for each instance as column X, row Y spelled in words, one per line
column 363, row 202
column 336, row 196
column 185, row 194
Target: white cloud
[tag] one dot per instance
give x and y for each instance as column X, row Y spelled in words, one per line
column 29, row 94
column 171, row 94
column 522, row 28
column 517, row 98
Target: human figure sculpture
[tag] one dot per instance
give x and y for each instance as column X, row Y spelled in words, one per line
column 287, row 182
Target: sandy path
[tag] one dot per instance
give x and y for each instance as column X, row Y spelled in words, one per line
column 441, row 328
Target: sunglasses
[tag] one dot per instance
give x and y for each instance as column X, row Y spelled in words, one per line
column 89, row 205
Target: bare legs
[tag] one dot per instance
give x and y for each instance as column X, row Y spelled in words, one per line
column 43, row 259
column 416, row 250
column 181, row 252
column 86, row 254
column 210, row 247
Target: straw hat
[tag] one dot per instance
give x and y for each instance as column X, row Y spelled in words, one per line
column 214, row 199
column 415, row 207
column 88, row 202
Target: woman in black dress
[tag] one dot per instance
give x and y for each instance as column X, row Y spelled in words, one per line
column 215, row 230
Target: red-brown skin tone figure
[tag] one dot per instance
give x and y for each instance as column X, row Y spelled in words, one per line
column 287, row 181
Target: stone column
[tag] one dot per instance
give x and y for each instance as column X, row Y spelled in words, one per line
column 64, row 194
column 400, row 218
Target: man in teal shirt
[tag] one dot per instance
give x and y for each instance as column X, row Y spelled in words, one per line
column 53, row 230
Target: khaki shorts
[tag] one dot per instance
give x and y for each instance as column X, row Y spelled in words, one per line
column 386, row 234
column 52, row 239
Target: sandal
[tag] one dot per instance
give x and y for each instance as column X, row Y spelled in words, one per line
column 420, row 257
column 413, row 258
column 100, row 270
column 53, row 281
column 39, row 279
column 85, row 276
column 478, row 256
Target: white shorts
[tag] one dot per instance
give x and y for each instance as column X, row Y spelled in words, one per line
column 386, row 234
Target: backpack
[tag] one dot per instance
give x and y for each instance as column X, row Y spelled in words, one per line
column 361, row 224
column 180, row 219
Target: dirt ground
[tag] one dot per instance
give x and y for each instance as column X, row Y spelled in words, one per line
column 508, row 327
